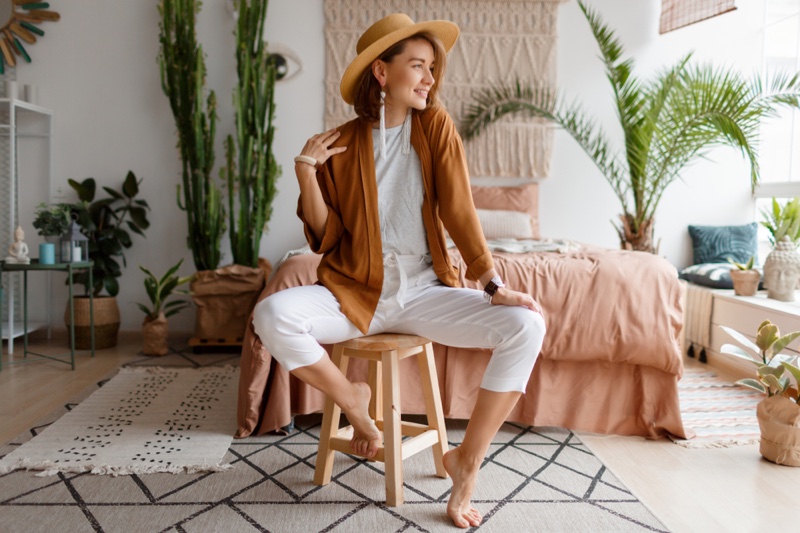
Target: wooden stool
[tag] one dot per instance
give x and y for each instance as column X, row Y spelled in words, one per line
column 384, row 353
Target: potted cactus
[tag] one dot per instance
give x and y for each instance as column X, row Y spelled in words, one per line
column 779, row 413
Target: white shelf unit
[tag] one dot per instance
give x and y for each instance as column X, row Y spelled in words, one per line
column 13, row 112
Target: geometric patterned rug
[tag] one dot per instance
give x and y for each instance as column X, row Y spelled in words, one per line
column 542, row 479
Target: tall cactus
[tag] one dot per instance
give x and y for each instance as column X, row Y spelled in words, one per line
column 183, row 73
column 251, row 167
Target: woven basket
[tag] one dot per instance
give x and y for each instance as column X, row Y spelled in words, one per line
column 106, row 322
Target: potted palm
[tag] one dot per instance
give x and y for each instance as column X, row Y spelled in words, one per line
column 667, row 123
column 779, row 413
column 155, row 327
column 745, row 277
column 106, row 222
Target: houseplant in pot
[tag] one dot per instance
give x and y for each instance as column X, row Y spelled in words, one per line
column 226, row 296
column 745, row 277
column 155, row 327
column 779, row 413
column 51, row 222
column 667, row 123
column 106, row 222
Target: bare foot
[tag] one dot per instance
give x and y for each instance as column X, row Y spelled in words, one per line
column 464, row 477
column 366, row 437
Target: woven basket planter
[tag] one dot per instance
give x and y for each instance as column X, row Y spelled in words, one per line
column 779, row 420
column 106, row 322
column 154, row 336
column 224, row 298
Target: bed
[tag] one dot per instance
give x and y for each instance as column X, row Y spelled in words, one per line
column 610, row 363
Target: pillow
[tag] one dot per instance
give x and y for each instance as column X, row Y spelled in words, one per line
column 521, row 198
column 715, row 244
column 716, row 275
column 504, row 224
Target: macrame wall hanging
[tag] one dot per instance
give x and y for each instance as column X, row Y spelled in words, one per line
column 500, row 41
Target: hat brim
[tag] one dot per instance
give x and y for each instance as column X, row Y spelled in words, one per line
column 445, row 30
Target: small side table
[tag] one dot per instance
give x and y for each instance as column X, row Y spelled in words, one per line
column 69, row 268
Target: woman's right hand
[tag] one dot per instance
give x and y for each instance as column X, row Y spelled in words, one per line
column 319, row 148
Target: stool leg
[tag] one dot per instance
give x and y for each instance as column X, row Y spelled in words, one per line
column 330, row 427
column 433, row 405
column 392, row 431
column 376, row 401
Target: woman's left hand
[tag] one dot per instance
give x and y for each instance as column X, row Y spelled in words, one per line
column 505, row 296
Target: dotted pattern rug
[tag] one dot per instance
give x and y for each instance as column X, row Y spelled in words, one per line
column 144, row 420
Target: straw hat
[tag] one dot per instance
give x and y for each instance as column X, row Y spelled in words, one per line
column 383, row 35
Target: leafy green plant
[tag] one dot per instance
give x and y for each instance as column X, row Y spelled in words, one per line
column 160, row 289
column 766, row 355
column 251, row 167
column 51, row 221
column 747, row 266
column 783, row 221
column 667, row 123
column 183, row 75
column 106, row 222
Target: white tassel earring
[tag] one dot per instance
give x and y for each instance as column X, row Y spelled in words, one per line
column 407, row 133
column 383, row 125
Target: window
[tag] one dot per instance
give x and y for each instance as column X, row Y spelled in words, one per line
column 779, row 154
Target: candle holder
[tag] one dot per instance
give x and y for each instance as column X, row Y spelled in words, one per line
column 73, row 245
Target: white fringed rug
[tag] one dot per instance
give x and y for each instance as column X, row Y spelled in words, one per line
column 144, row 420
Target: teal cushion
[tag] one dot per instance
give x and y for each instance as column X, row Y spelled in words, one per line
column 717, row 244
column 716, row 275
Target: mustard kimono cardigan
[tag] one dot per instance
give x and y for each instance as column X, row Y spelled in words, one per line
column 352, row 263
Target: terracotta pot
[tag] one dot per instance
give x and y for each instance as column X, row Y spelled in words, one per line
column 745, row 282
column 154, row 335
column 779, row 420
column 106, row 322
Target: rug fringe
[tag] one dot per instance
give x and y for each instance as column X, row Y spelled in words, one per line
column 716, row 444
column 49, row 468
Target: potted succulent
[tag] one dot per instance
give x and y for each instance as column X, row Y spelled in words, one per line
column 155, row 327
column 51, row 222
column 106, row 222
column 745, row 277
column 779, row 413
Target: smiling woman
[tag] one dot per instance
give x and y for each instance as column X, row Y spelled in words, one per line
column 17, row 21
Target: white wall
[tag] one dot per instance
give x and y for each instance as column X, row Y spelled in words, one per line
column 97, row 70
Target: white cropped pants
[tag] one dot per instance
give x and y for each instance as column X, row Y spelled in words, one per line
column 294, row 322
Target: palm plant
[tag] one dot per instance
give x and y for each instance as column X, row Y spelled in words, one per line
column 667, row 123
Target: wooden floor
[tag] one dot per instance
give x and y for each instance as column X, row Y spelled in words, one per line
column 689, row 490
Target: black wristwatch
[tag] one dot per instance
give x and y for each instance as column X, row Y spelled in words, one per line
column 491, row 288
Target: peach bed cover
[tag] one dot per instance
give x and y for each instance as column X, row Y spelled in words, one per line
column 610, row 363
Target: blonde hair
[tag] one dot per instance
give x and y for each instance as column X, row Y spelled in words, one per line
column 367, row 101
